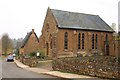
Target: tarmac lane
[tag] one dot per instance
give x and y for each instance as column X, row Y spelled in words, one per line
column 0, row 69
column 11, row 71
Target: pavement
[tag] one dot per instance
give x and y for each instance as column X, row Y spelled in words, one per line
column 53, row 73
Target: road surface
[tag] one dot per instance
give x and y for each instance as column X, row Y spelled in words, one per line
column 0, row 68
column 10, row 70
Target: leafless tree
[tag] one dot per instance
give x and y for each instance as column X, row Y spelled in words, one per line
column 6, row 44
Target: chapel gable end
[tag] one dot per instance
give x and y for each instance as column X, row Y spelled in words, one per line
column 50, row 23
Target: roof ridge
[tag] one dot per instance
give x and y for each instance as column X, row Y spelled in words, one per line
column 74, row 12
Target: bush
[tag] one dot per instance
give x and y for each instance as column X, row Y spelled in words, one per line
column 32, row 54
column 29, row 55
column 42, row 54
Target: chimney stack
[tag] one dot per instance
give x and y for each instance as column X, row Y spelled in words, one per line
column 32, row 30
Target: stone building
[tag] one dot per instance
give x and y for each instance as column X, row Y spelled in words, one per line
column 30, row 43
column 66, row 34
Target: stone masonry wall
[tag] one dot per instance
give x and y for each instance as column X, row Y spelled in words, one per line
column 100, row 66
column 32, row 62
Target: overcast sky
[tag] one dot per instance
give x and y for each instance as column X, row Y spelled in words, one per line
column 119, row 16
column 17, row 17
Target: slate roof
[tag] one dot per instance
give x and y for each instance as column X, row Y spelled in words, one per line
column 74, row 20
column 27, row 38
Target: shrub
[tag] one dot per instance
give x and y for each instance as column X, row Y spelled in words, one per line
column 42, row 54
column 29, row 55
column 32, row 54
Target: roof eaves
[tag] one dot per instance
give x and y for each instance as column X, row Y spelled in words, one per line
column 65, row 27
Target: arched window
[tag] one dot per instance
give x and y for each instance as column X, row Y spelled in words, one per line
column 54, row 42
column 82, row 40
column 65, row 40
column 92, row 41
column 106, row 40
column 96, row 40
column 47, row 27
column 79, row 37
column 106, row 37
column 50, row 38
column 51, row 44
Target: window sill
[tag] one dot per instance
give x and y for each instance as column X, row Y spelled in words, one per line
column 66, row 50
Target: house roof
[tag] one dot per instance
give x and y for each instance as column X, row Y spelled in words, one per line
column 27, row 38
column 74, row 20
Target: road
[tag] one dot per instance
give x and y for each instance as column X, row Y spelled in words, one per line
column 0, row 68
column 10, row 70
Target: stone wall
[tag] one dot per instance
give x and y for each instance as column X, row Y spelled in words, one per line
column 32, row 62
column 100, row 66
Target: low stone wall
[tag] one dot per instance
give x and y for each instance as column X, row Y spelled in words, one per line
column 100, row 66
column 32, row 62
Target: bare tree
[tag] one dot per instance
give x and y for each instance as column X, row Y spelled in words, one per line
column 6, row 44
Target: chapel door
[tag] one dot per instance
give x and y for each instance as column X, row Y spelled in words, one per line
column 107, row 50
column 47, row 49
